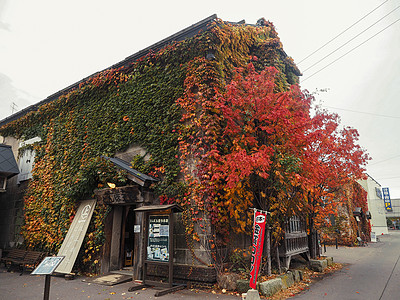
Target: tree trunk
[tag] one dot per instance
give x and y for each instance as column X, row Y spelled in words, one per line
column 267, row 251
column 278, row 260
column 312, row 238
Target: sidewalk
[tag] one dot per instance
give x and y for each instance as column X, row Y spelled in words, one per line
column 16, row 287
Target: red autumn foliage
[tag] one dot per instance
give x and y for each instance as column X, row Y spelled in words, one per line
column 289, row 161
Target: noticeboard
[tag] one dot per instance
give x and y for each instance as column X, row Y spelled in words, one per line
column 158, row 238
column 48, row 265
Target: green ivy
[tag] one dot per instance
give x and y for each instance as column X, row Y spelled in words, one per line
column 117, row 108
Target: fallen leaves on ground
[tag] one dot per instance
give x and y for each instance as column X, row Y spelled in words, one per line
column 308, row 278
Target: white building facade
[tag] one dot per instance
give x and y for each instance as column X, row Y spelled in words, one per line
column 376, row 205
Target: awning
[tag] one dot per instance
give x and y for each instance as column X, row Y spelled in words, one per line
column 134, row 175
column 173, row 207
column 8, row 165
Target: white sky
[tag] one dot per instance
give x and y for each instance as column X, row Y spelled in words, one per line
column 46, row 45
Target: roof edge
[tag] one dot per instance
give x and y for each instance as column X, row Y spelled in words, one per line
column 180, row 35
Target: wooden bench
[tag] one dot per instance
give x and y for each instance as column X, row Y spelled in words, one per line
column 23, row 259
column 14, row 255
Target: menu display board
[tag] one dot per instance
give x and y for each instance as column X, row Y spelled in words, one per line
column 158, row 238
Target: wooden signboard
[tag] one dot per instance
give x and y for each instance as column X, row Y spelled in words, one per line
column 75, row 235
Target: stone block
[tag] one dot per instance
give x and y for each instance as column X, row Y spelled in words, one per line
column 180, row 256
column 228, row 281
column 301, row 274
column 287, row 279
column 180, row 241
column 252, row 295
column 296, row 275
column 271, row 287
column 242, row 285
column 318, row 265
column 329, row 261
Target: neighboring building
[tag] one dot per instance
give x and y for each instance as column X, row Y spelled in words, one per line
column 352, row 219
column 376, row 205
column 394, row 214
column 10, row 208
column 128, row 112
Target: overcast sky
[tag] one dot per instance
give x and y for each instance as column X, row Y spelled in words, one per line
column 46, row 45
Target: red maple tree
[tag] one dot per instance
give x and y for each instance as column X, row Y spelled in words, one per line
column 274, row 155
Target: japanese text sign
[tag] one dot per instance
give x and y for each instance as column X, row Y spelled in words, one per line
column 258, row 242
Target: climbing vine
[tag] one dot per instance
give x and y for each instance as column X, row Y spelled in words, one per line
column 175, row 103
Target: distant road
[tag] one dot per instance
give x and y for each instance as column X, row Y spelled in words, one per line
column 373, row 272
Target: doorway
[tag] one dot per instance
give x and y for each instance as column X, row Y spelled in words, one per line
column 127, row 238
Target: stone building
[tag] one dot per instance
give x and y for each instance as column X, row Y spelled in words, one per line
column 121, row 117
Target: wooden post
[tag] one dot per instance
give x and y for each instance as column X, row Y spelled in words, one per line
column 171, row 249
column 268, row 249
column 116, row 238
column 139, row 246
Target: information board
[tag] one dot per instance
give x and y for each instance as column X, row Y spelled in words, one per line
column 48, row 265
column 158, row 238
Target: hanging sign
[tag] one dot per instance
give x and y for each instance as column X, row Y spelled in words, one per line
column 158, row 240
column 258, row 242
column 386, row 199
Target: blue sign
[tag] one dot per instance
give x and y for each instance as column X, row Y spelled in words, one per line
column 386, row 199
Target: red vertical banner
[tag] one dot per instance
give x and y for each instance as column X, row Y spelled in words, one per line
column 258, row 242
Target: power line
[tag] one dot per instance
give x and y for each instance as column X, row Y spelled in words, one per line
column 350, row 50
column 351, row 39
column 362, row 112
column 375, row 163
column 342, row 33
column 387, row 178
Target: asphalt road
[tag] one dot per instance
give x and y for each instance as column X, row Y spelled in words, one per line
column 15, row 287
column 370, row 273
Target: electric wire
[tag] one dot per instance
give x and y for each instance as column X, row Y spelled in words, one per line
column 388, row 178
column 362, row 112
column 381, row 161
column 351, row 50
column 353, row 38
column 342, row 32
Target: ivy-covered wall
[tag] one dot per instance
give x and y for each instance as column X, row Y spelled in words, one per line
column 143, row 103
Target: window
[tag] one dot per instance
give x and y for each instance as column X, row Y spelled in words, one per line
column 26, row 160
